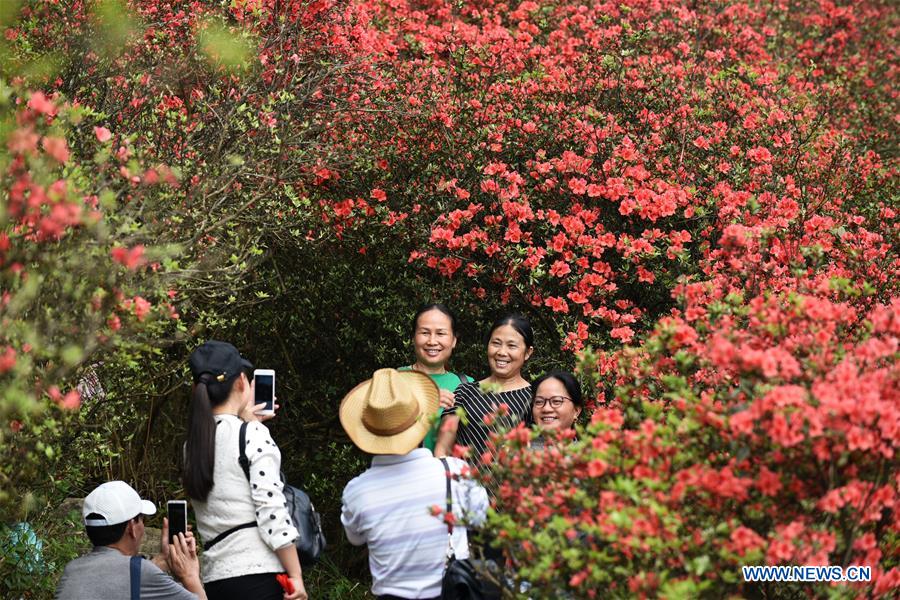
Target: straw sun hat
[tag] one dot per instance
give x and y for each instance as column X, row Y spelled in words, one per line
column 389, row 414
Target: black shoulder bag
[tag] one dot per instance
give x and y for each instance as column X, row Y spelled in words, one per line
column 461, row 580
column 311, row 543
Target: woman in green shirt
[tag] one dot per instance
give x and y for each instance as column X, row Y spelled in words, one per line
column 434, row 338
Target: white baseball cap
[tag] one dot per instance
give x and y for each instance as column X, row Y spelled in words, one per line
column 116, row 502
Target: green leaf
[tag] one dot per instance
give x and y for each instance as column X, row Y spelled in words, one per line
column 71, row 355
column 115, row 26
column 224, row 47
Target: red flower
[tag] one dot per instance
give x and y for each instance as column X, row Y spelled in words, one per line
column 744, row 539
column 625, row 334
column 759, row 154
column 557, row 304
column 71, row 401
column 560, row 269
column 103, row 134
column 41, row 104
column 57, row 148
column 22, row 141
column 578, row 185
column 131, row 258
column 141, row 308
column 768, row 482
column 7, row 359
column 597, row 468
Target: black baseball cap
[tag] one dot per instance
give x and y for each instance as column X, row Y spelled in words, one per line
column 220, row 360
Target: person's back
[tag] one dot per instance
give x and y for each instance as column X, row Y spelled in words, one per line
column 241, row 510
column 388, row 508
column 231, row 503
column 104, row 574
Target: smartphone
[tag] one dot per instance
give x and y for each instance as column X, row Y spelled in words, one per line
column 264, row 380
column 177, row 518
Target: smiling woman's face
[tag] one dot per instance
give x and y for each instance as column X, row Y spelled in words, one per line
column 433, row 340
column 506, row 352
column 549, row 418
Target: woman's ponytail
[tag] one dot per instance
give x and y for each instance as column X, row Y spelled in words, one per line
column 200, row 449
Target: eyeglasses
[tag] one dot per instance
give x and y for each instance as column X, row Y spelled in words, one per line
column 555, row 401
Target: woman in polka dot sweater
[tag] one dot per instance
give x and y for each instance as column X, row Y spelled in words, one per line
column 240, row 560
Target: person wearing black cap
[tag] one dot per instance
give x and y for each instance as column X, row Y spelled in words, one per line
column 239, row 560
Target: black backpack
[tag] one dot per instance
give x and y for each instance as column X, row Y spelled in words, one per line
column 311, row 543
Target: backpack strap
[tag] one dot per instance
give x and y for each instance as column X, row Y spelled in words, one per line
column 448, row 477
column 463, row 378
column 225, row 534
column 245, row 467
column 242, row 452
column 135, row 572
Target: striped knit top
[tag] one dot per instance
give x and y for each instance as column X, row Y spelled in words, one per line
column 477, row 405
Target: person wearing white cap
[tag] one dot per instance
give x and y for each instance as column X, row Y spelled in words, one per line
column 114, row 520
column 389, row 507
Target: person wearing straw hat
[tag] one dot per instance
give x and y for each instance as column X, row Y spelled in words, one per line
column 391, row 506
column 114, row 520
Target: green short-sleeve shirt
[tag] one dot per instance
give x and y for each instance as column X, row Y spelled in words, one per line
column 445, row 381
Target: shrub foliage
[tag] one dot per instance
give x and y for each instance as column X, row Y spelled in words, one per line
column 696, row 202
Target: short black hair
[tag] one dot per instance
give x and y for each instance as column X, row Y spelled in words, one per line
column 105, row 535
column 438, row 307
column 517, row 322
column 573, row 388
column 569, row 382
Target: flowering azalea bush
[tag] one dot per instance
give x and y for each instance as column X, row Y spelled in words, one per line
column 712, row 185
column 147, row 162
column 689, row 170
column 763, row 432
column 71, row 266
column 577, row 159
column 131, row 176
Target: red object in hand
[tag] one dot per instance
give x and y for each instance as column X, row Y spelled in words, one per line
column 285, row 582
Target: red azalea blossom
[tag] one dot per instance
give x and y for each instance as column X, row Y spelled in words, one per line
column 102, row 133
column 131, row 258
column 57, row 148
column 41, row 104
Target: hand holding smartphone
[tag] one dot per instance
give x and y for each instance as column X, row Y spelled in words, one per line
column 177, row 510
column 264, row 386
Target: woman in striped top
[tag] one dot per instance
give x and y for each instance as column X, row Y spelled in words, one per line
column 510, row 344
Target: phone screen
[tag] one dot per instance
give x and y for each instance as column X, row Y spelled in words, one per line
column 177, row 519
column 265, row 391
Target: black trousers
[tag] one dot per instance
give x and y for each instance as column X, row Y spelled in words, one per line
column 261, row 586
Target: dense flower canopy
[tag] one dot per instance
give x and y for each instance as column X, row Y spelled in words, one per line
column 699, row 199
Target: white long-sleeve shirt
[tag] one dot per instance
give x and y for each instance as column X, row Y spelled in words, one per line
column 388, row 508
column 233, row 501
